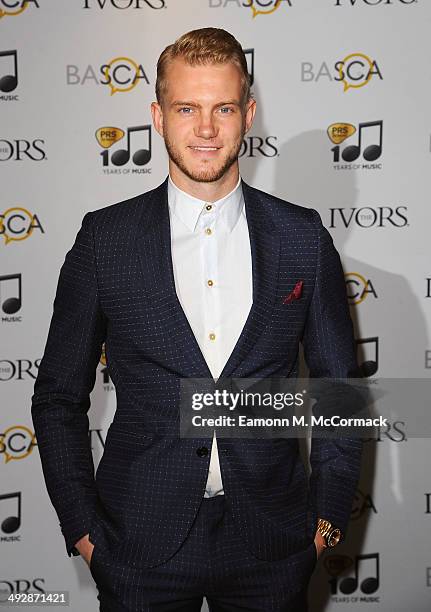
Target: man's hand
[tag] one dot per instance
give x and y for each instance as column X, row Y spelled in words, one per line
column 319, row 543
column 85, row 548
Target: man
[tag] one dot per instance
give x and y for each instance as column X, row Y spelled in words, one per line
column 202, row 277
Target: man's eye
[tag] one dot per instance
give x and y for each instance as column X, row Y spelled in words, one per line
column 225, row 110
column 186, row 110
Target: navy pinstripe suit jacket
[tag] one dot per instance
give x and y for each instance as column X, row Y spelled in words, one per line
column 116, row 286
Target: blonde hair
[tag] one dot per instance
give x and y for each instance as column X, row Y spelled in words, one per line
column 204, row 46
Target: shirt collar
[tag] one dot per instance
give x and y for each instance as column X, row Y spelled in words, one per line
column 188, row 208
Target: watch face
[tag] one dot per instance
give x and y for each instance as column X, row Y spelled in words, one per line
column 334, row 537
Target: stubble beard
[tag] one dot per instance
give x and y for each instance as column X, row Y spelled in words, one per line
column 203, row 176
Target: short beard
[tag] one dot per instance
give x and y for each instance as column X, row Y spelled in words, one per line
column 204, row 176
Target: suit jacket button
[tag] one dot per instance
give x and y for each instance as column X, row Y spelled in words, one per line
column 202, row 451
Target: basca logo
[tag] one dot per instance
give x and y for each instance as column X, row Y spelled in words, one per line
column 137, row 150
column 373, row 2
column 17, row 442
column 10, row 516
column 354, row 71
column 20, row 369
column 358, row 288
column 20, row 150
column 10, row 8
column 368, row 355
column 368, row 147
column 367, row 216
column 8, row 75
column 124, row 4
column 258, row 7
column 363, row 582
column 121, row 74
column 10, row 298
column 254, row 146
column 362, row 504
column 17, row 224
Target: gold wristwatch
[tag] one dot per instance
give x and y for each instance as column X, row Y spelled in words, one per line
column 330, row 534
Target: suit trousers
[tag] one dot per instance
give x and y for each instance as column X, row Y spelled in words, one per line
column 212, row 562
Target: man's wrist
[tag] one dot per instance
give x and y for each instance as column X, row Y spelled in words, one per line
column 331, row 534
column 82, row 543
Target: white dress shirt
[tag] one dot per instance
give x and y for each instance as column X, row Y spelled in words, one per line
column 211, row 258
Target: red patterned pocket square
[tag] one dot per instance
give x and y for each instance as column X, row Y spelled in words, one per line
column 295, row 294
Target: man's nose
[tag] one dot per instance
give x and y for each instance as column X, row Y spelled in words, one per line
column 206, row 126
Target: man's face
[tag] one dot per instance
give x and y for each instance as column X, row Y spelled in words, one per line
column 202, row 119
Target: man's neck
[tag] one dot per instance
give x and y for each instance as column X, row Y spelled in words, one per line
column 208, row 192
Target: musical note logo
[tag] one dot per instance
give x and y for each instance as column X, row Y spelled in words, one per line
column 372, row 151
column 140, row 157
column 370, row 584
column 13, row 522
column 368, row 367
column 9, row 81
column 249, row 56
column 11, row 304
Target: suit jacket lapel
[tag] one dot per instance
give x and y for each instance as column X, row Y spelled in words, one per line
column 154, row 248
column 155, row 253
column 265, row 254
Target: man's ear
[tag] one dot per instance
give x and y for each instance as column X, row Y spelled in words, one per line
column 157, row 115
column 250, row 111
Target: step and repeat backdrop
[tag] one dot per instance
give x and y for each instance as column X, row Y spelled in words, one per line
column 343, row 125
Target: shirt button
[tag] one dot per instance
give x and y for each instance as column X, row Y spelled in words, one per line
column 210, row 283
column 212, row 336
column 208, row 231
column 208, row 206
column 202, row 451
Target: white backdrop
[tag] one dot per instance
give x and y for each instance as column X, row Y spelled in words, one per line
column 340, row 63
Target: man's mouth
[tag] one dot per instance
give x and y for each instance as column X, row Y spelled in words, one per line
column 200, row 148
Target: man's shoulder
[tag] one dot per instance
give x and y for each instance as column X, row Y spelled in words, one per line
column 283, row 210
column 126, row 211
